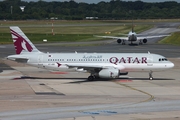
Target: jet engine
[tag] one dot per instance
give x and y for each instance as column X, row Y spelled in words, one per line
column 119, row 41
column 144, row 40
column 109, row 73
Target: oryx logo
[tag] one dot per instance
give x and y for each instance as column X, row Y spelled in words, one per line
column 58, row 64
column 20, row 43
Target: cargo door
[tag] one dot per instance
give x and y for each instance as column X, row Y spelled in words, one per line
column 40, row 61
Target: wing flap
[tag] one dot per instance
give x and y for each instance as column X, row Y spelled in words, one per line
column 95, row 66
column 79, row 66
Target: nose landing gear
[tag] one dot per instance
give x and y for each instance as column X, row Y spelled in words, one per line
column 150, row 75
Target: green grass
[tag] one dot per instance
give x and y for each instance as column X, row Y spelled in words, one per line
column 174, row 39
column 60, row 37
column 68, row 34
column 37, row 31
column 5, row 38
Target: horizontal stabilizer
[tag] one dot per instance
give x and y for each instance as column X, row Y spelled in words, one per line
column 17, row 58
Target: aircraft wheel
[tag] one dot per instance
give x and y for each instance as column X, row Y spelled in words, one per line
column 150, row 75
column 91, row 78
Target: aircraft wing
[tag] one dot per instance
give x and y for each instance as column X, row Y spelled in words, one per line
column 95, row 66
column 113, row 37
column 142, row 37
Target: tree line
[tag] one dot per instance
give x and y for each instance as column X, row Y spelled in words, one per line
column 71, row 10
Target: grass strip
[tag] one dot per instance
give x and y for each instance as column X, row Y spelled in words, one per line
column 174, row 39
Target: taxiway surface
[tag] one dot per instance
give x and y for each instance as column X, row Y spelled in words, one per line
column 41, row 94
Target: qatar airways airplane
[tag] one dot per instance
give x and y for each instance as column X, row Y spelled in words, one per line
column 99, row 65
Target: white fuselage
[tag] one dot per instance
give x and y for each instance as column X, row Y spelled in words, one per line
column 132, row 36
column 125, row 62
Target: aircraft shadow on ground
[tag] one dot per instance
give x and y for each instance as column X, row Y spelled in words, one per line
column 84, row 80
column 133, row 44
column 78, row 80
column 154, row 79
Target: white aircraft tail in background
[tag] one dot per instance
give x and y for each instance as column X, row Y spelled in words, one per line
column 99, row 65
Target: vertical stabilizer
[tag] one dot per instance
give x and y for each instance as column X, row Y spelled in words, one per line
column 132, row 25
column 21, row 43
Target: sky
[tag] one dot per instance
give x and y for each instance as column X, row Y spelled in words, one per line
column 96, row 1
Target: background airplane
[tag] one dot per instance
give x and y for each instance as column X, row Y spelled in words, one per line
column 99, row 65
column 132, row 37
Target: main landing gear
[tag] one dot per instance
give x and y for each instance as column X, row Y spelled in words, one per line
column 123, row 43
column 91, row 78
column 150, row 75
column 140, row 43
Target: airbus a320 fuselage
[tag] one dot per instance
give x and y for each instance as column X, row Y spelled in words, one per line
column 99, row 65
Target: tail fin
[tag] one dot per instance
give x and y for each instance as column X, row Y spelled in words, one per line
column 21, row 43
column 132, row 25
column 132, row 29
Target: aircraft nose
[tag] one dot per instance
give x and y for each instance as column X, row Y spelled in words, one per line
column 170, row 65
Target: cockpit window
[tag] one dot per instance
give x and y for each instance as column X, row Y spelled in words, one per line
column 163, row 59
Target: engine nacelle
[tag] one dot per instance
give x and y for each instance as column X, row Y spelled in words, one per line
column 109, row 73
column 119, row 41
column 144, row 40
